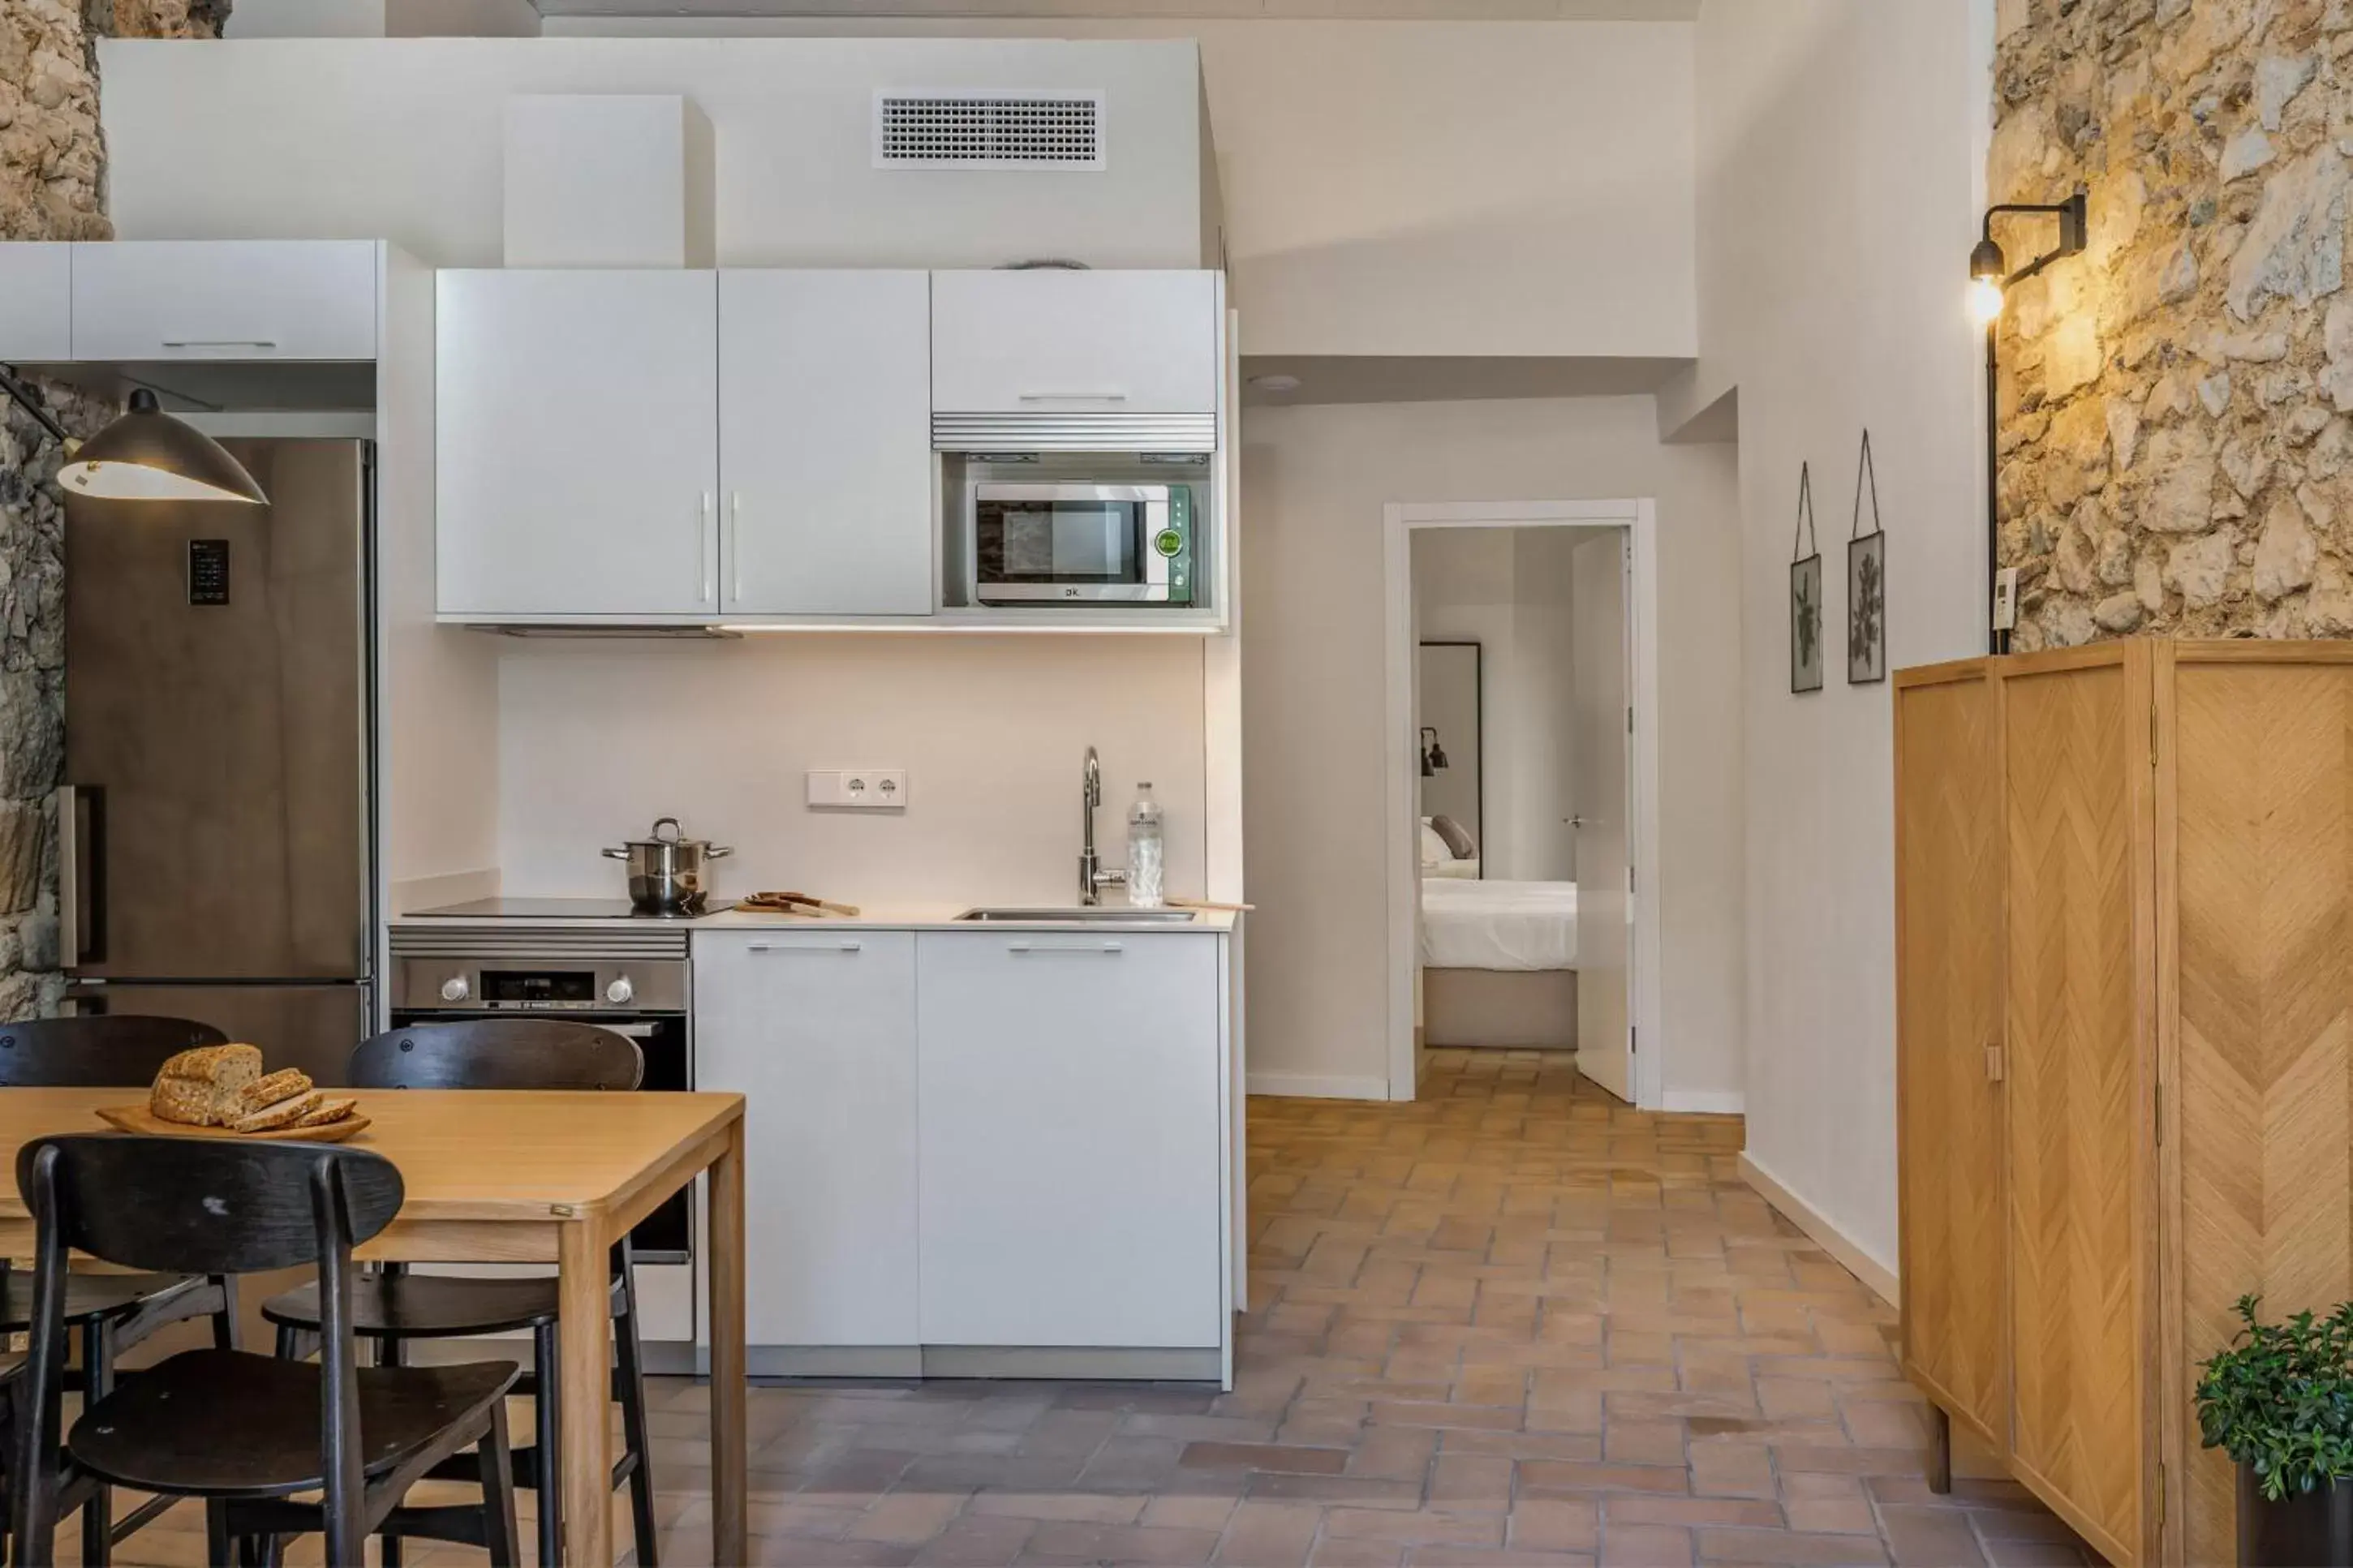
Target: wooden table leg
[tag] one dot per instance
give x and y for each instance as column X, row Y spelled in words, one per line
column 724, row 1257
column 585, row 1336
column 1940, row 1451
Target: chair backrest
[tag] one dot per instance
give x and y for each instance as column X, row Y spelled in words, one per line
column 96, row 1050
column 205, row 1205
column 499, row 1053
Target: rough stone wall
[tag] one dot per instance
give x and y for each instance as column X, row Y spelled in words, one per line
column 52, row 187
column 2175, row 454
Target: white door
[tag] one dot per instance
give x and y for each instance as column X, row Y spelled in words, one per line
column 1056, row 342
column 825, row 443
column 577, row 437
column 1068, row 1095
column 1605, row 875
column 817, row 1031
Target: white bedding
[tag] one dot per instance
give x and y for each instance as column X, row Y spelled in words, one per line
column 1498, row 925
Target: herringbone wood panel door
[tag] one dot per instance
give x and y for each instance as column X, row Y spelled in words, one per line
column 2264, row 782
column 1949, row 989
column 2071, row 737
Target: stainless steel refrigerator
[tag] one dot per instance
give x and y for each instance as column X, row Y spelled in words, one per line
column 216, row 856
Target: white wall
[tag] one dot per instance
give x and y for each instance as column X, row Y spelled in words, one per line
column 1508, row 589
column 1843, row 148
column 400, row 138
column 1418, row 187
column 1314, row 483
column 598, row 739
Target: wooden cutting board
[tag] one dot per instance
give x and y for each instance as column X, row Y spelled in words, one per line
column 139, row 1119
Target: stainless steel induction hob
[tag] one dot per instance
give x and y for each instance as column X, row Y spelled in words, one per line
column 545, row 910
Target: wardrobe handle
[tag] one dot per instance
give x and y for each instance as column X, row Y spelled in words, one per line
column 1996, row 1069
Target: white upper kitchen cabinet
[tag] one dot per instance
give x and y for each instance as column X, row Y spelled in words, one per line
column 1068, row 1094
column 221, row 299
column 817, row 1030
column 1053, row 340
column 825, row 447
column 576, row 440
column 35, row 301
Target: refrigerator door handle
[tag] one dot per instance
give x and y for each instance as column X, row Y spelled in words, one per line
column 70, row 898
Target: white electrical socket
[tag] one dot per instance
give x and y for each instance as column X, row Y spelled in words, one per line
column 859, row 789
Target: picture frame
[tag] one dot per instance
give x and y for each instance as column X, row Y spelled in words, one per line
column 1866, row 581
column 1805, row 595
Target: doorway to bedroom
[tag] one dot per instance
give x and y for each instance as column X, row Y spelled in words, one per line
column 1518, row 644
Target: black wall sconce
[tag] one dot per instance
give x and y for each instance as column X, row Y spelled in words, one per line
column 1991, row 281
column 145, row 455
column 1433, row 755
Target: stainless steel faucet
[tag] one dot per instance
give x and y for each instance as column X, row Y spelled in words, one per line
column 1092, row 877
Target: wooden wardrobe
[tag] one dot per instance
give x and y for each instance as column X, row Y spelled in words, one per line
column 2125, row 1050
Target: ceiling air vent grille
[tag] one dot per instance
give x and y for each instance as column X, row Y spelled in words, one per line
column 995, row 130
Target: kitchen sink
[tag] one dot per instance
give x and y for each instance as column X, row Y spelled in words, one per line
column 1079, row 916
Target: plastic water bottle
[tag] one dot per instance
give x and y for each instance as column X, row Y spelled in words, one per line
column 1143, row 857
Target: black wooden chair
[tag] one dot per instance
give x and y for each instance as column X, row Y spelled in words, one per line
column 111, row 1312
column 244, row 1432
column 395, row 1305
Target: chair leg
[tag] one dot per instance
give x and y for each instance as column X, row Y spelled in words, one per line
column 388, row 1352
column 285, row 1351
column 98, row 1382
column 634, row 1439
column 547, row 1460
column 216, row 1540
column 225, row 1328
column 498, row 1492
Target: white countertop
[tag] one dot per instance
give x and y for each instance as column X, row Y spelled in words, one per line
column 871, row 917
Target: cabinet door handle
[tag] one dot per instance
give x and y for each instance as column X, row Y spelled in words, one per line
column 1996, row 1069
column 805, row 947
column 735, row 545
column 1058, row 947
column 1072, row 397
column 220, row 342
column 702, row 523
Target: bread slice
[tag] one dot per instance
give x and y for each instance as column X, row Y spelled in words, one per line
column 272, row 1088
column 204, row 1087
column 285, row 1113
column 329, row 1112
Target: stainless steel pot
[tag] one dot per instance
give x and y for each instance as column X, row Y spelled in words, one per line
column 666, row 873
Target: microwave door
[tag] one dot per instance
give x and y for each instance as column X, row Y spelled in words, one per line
column 1068, row 543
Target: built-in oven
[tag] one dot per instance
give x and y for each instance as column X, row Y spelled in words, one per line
column 626, row 984
column 1074, row 542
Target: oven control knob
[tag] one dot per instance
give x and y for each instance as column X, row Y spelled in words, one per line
column 620, row 990
column 455, row 989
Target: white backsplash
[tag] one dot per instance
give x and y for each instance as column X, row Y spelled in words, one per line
column 597, row 739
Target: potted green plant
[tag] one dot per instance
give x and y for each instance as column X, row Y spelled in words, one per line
column 2279, row 1401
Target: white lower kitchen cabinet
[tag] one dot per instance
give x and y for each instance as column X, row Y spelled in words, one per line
column 816, row 1029
column 1070, row 1144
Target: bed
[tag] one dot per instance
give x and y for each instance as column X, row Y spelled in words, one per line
column 1499, row 963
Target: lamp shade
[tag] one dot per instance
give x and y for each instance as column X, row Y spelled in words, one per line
column 147, row 455
column 1988, row 261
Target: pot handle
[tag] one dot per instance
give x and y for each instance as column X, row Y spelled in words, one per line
column 719, row 852
column 615, row 853
column 676, row 832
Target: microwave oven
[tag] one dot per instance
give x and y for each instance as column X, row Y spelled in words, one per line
column 1074, row 544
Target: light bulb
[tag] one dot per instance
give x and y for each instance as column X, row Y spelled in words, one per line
column 1985, row 300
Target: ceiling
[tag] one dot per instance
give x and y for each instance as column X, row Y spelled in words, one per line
column 1138, row 10
column 1440, row 378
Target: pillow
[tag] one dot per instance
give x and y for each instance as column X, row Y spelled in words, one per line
column 1433, row 845
column 1459, row 845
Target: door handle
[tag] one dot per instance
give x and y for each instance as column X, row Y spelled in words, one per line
column 805, row 947
column 1574, row 821
column 220, row 342
column 69, row 800
column 702, row 525
column 1995, row 1067
column 734, row 548
column 1111, row 947
column 1073, row 397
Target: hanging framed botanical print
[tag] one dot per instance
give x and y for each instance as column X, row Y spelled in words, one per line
column 1805, row 593
column 1866, row 583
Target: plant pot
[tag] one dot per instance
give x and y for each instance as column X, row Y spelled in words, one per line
column 2302, row 1530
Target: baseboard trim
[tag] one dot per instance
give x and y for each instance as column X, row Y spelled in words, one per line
column 1827, row 1237
column 1707, row 1101
column 1317, row 1086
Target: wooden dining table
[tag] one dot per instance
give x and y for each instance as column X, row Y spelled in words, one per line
column 530, row 1176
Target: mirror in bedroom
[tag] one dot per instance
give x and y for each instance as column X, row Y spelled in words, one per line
column 1452, row 706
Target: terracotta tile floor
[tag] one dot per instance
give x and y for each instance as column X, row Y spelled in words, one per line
column 1513, row 1322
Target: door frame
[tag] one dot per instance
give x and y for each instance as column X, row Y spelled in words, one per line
column 1400, row 522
